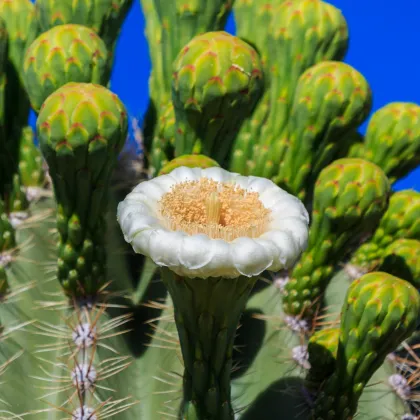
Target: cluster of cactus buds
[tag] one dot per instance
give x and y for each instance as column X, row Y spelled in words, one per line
column 259, row 265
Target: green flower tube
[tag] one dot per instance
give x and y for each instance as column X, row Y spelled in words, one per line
column 81, row 129
column 213, row 233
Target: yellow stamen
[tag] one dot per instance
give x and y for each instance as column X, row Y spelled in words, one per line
column 219, row 210
column 213, row 208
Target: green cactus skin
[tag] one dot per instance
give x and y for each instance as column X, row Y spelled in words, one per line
column 4, row 285
column 380, row 311
column 105, row 17
column 163, row 146
column 5, row 169
column 402, row 259
column 331, row 98
column 296, row 37
column 18, row 201
column 7, row 232
column 190, row 161
column 169, row 27
column 81, row 129
column 392, row 139
column 31, row 169
column 207, row 313
column 351, row 195
column 217, row 82
column 22, row 29
column 322, row 350
column 65, row 53
column 400, row 221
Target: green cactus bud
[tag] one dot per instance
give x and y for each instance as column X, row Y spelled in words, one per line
column 400, row 221
column 392, row 139
column 30, row 162
column 331, row 99
column 322, row 350
column 22, row 29
column 402, row 259
column 105, row 17
column 190, row 161
column 81, row 129
column 380, row 311
column 351, row 195
column 216, row 84
column 66, row 53
column 163, row 145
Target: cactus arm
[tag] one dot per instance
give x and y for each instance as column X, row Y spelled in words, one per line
column 379, row 312
column 331, row 99
column 22, row 29
column 342, row 213
column 81, row 129
column 217, row 81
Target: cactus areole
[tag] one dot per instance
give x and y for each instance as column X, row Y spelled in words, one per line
column 213, row 233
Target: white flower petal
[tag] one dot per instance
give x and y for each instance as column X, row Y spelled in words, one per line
column 259, row 185
column 288, row 250
column 183, row 174
column 290, row 207
column 151, row 189
column 221, row 263
column 127, row 206
column 133, row 223
column 196, row 251
column 165, row 182
column 295, row 226
column 241, row 181
column 140, row 242
column 218, row 174
column 164, row 247
column 249, row 257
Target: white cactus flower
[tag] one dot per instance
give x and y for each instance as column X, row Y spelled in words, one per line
column 213, row 223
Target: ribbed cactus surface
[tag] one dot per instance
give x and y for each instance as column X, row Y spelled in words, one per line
column 252, row 262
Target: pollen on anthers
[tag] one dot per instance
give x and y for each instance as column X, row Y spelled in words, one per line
column 219, row 210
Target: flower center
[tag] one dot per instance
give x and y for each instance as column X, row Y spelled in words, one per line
column 219, row 210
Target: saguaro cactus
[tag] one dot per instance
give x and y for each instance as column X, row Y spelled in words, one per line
column 255, row 264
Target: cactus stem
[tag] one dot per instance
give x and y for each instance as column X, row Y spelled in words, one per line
column 207, row 313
